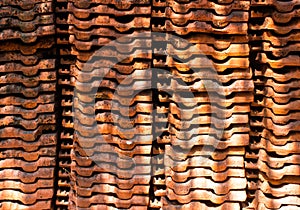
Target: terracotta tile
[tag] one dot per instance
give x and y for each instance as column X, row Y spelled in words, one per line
column 119, row 5
column 45, row 140
column 28, row 136
column 106, row 188
column 197, row 161
column 27, row 177
column 219, row 8
column 280, row 6
column 41, row 43
column 28, row 37
column 233, row 195
column 10, row 22
column 124, row 144
column 195, row 172
column 267, row 202
column 29, row 156
column 85, row 202
column 82, row 13
column 178, row 153
column 27, row 188
column 43, row 64
column 199, row 205
column 27, row 103
column 13, row 195
column 108, row 178
column 24, row 5
column 221, row 53
column 184, row 113
column 206, row 184
column 200, row 15
column 27, row 166
column 105, row 20
column 11, row 78
column 36, row 205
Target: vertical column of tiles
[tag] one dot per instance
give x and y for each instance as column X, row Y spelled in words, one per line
column 274, row 142
column 112, row 104
column 209, row 86
column 27, row 105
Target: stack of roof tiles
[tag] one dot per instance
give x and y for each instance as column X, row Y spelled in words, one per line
column 201, row 97
column 162, row 104
column 27, row 105
column 273, row 155
column 113, row 111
